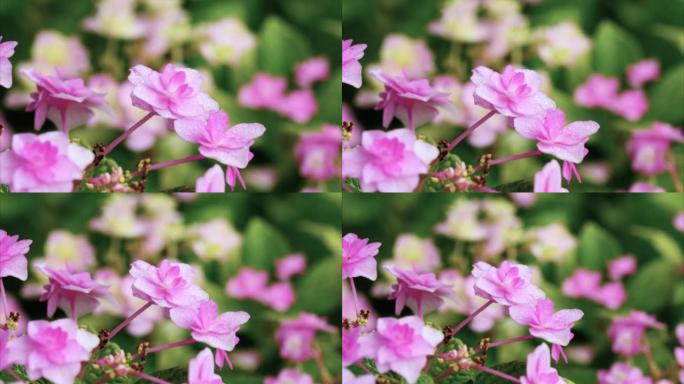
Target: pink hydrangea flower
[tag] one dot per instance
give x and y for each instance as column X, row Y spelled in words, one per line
column 75, row 293
column 318, row 153
column 217, row 141
column 43, row 163
column 421, row 292
column 299, row 106
column 264, row 91
column 352, row 350
column 413, row 102
column 402, row 345
column 466, row 302
column 626, row 333
column 296, row 336
column 622, row 266
column 546, row 324
column 214, row 180
column 248, row 284
column 66, row 102
column 201, row 369
column 643, row 72
column 349, row 378
column 513, row 92
column 648, row 148
column 175, row 93
column 388, row 161
column 509, row 284
column 554, row 137
column 289, row 376
column 597, row 91
column 539, row 370
column 312, row 70
column 208, row 326
column 4, row 353
column 358, row 257
column 623, row 373
column 52, row 350
column 169, row 286
column 13, row 256
column 610, row 295
column 290, row 265
column 279, row 296
column 582, row 283
column 6, row 51
column 631, row 105
column 549, row 178
column 351, row 68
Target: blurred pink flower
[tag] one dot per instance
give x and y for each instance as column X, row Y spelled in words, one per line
column 421, row 292
column 201, row 369
column 597, row 91
column 290, row 265
column 402, row 54
column 549, row 178
column 358, row 257
column 512, row 93
column 412, row 252
column 208, row 326
column 582, row 283
column 413, row 102
column 351, row 68
column 554, row 137
column 509, row 284
column 388, row 161
column 63, row 249
column 264, row 91
column 13, row 256
column 544, row 323
column 213, row 180
column 648, row 148
column 630, row 105
column 295, row 337
column 6, row 51
column 54, row 52
column 539, row 370
column 75, row 293
column 311, row 70
column 43, row 163
column 217, row 141
column 610, row 295
column 299, row 106
column 402, row 345
column 623, row 373
column 678, row 221
column 169, row 286
column 626, row 333
column 247, row 284
column 66, row 102
column 318, row 153
column 175, row 93
column 644, row 187
column 289, row 376
column 642, row 72
column 622, row 266
column 52, row 350
column 279, row 296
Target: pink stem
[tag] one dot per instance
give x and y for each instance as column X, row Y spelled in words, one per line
column 149, row 378
column 511, row 340
column 129, row 319
column 171, row 345
column 507, row 159
column 470, row 130
column 471, row 317
column 356, row 300
column 127, row 133
column 169, row 163
column 3, row 301
column 496, row 373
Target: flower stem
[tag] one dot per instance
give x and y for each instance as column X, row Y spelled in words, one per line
column 510, row 341
column 326, row 377
column 129, row 319
column 355, row 298
column 507, row 159
column 3, row 301
column 471, row 317
column 470, row 130
column 127, row 133
column 446, row 373
column 149, row 378
column 674, row 173
column 14, row 375
column 494, row 372
column 164, row 347
column 169, row 163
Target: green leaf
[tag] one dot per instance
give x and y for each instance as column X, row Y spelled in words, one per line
column 512, row 368
column 653, row 287
column 664, row 244
column 667, row 96
column 516, row 186
column 424, row 379
column 263, row 244
column 596, row 247
column 280, row 47
column 614, row 49
column 319, row 291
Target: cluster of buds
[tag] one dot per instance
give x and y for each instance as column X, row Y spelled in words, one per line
column 114, row 181
column 453, row 178
column 461, row 358
column 115, row 365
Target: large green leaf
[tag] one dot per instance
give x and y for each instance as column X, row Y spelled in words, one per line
column 653, row 287
column 667, row 96
column 665, row 245
column 596, row 247
column 281, row 46
column 320, row 289
column 263, row 244
column 614, row 49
